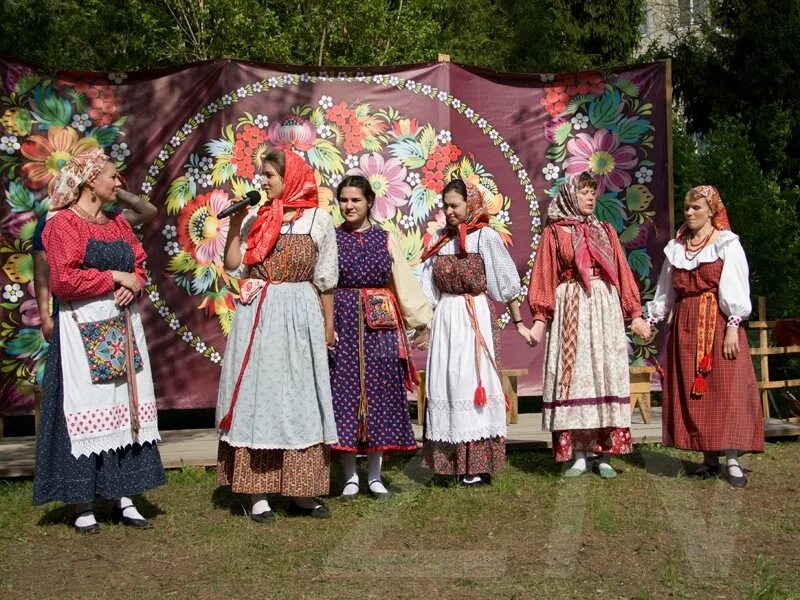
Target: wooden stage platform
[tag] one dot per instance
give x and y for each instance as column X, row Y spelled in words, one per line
column 198, row 447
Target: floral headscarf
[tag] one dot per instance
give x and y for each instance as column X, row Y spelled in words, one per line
column 475, row 218
column 719, row 216
column 79, row 170
column 299, row 191
column 590, row 239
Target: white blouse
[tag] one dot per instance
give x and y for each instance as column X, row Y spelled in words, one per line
column 502, row 278
column 734, row 282
column 319, row 225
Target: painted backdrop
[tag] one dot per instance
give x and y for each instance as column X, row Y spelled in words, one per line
column 188, row 139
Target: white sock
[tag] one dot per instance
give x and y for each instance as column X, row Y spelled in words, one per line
column 605, row 459
column 128, row 509
column 260, row 504
column 580, row 461
column 348, row 461
column 732, row 458
column 469, row 479
column 87, row 518
column 307, row 503
column 374, row 464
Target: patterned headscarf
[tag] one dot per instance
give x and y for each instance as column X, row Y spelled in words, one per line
column 79, row 170
column 719, row 216
column 299, row 191
column 475, row 218
column 590, row 239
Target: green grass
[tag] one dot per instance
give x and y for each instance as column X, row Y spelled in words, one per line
column 651, row 533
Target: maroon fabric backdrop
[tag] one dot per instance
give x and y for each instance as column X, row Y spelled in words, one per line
column 187, row 139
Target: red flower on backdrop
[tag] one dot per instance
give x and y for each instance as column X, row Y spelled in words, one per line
column 104, row 103
column 247, row 148
column 47, row 155
column 566, row 86
column 433, row 169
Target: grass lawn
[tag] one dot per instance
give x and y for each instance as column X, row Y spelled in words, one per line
column 651, row 533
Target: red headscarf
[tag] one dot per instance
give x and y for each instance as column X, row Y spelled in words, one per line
column 476, row 217
column 299, row 191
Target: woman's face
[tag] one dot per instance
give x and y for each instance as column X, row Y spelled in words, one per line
column 273, row 182
column 587, row 198
column 455, row 208
column 697, row 211
column 106, row 183
column 354, row 206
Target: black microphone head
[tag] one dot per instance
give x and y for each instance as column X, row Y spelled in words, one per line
column 253, row 196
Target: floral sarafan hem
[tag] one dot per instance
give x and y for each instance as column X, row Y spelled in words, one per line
column 608, row 440
column 479, row 457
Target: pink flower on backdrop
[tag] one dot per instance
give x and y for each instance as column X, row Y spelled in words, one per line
column 292, row 132
column 604, row 157
column 387, row 178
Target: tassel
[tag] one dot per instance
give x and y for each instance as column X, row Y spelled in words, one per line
column 362, row 430
column 225, row 423
column 705, row 364
column 699, row 386
column 480, row 396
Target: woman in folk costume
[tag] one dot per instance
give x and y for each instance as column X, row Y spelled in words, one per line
column 377, row 298
column 710, row 400
column 465, row 412
column 274, row 412
column 99, row 426
column 582, row 283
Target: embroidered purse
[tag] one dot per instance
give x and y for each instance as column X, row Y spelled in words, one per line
column 105, row 344
column 379, row 308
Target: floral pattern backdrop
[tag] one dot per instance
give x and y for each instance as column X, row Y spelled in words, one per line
column 408, row 132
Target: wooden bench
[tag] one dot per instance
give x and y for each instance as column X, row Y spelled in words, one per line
column 508, row 380
column 640, row 391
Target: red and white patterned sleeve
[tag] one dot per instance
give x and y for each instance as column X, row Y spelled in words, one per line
column 544, row 278
column 65, row 245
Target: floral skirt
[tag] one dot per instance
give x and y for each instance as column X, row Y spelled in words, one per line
column 609, row 440
column 465, row 458
column 300, row 473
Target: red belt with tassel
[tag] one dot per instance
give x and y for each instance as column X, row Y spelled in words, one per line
column 706, row 328
column 480, row 343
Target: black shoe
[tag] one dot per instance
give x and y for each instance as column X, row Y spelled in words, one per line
column 118, row 516
column 375, row 494
column 484, row 479
column 268, row 516
column 318, row 512
column 89, row 529
column 737, row 482
column 705, row 471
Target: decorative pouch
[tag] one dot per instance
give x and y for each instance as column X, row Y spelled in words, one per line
column 380, row 309
column 105, row 344
column 249, row 289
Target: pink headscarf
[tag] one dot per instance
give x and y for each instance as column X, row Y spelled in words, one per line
column 589, row 236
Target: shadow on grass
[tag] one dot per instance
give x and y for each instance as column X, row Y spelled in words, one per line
column 64, row 514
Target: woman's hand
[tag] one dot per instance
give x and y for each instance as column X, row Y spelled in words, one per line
column 47, row 327
column 129, row 281
column 640, row 328
column 331, row 338
column 537, row 332
column 730, row 346
column 525, row 333
column 123, row 297
column 421, row 340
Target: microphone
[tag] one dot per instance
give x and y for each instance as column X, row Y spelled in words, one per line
column 251, row 198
